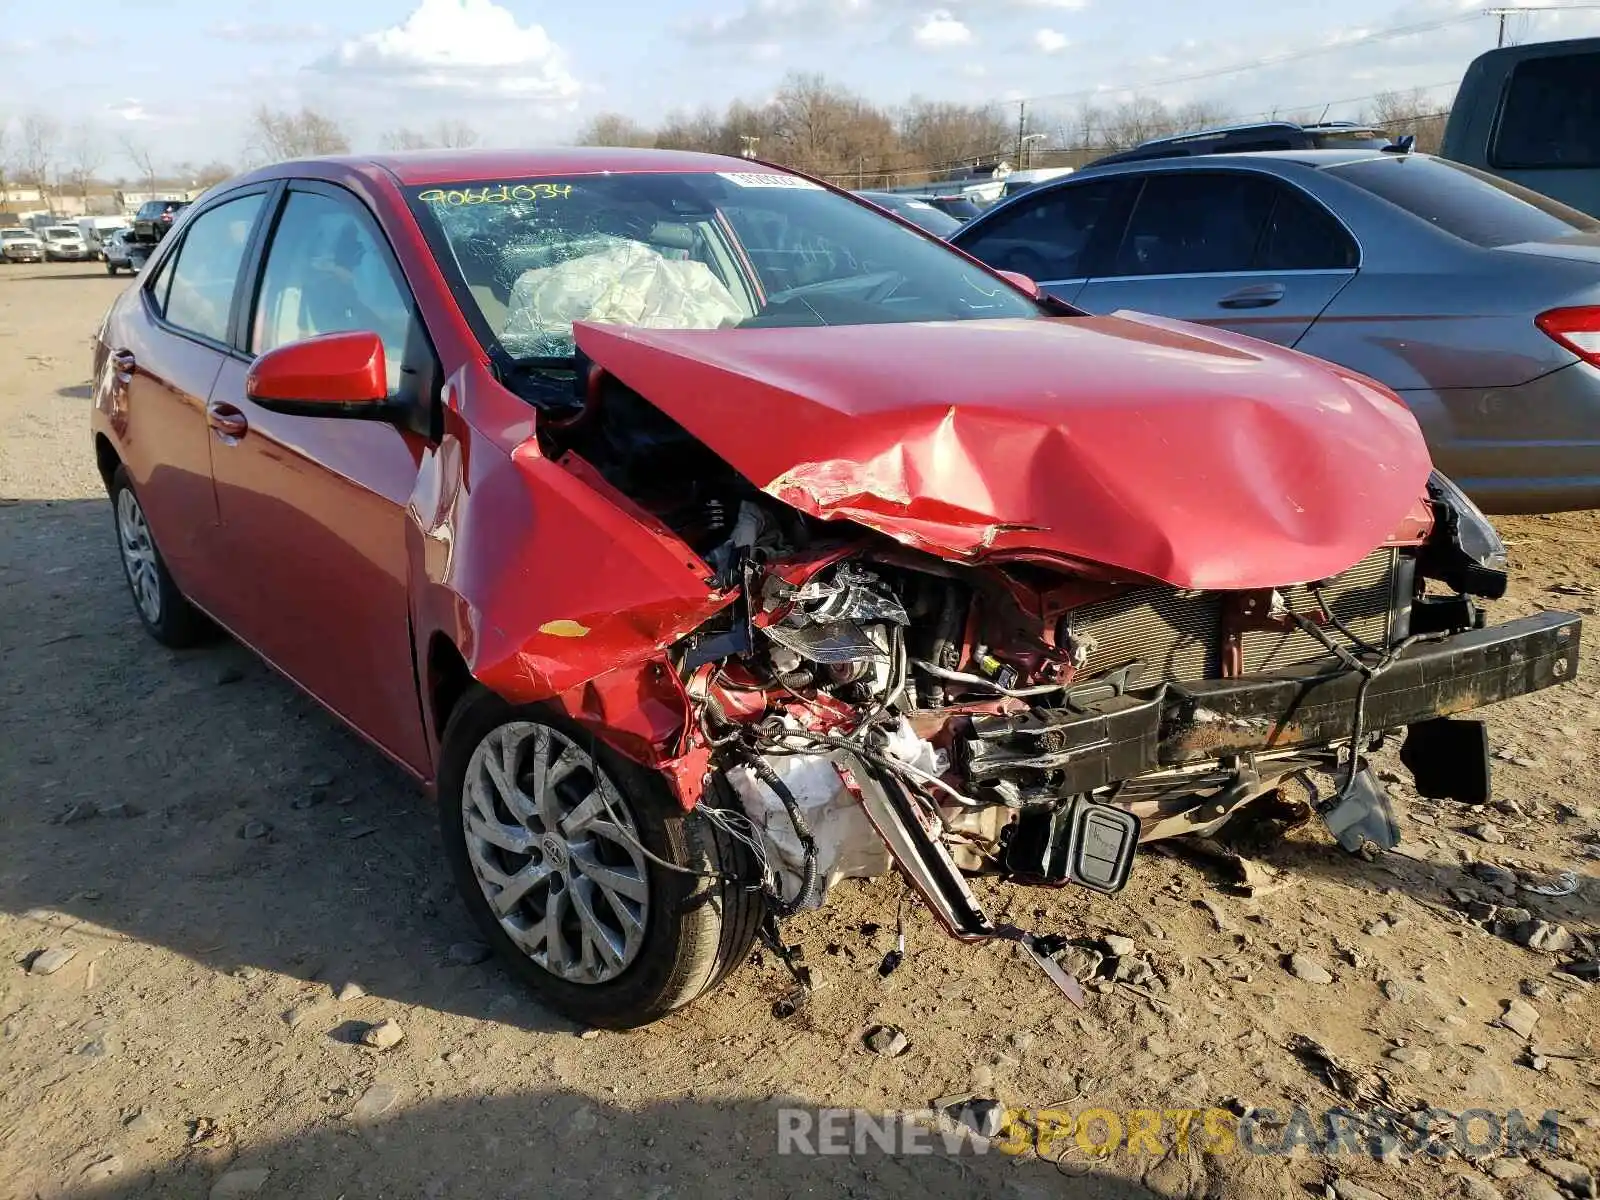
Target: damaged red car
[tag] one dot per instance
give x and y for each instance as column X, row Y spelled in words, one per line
column 701, row 535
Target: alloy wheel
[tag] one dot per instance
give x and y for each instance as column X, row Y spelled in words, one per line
column 139, row 555
column 556, row 852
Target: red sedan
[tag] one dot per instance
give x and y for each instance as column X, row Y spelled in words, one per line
column 702, row 536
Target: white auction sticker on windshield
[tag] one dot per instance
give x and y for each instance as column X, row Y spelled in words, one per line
column 771, row 180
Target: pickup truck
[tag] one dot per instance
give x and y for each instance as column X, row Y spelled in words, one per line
column 1531, row 114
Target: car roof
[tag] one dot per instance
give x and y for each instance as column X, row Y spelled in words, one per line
column 1319, row 159
column 418, row 168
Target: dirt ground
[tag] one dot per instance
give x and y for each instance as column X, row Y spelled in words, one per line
column 223, row 859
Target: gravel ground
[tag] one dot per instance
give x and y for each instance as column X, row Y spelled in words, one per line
column 217, row 860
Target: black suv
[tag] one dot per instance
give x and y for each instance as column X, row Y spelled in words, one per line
column 1269, row 135
column 155, row 217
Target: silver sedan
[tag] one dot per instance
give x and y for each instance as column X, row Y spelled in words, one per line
column 1476, row 300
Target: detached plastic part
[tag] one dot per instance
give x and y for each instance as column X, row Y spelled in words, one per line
column 1361, row 814
column 1084, row 843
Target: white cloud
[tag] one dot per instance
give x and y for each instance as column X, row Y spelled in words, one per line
column 473, row 47
column 260, row 32
column 1058, row 5
column 940, row 30
column 128, row 110
column 1048, row 41
column 764, row 22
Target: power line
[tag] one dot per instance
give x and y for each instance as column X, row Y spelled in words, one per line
column 1271, row 60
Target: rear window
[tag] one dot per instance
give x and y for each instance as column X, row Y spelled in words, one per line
column 1474, row 206
column 1551, row 114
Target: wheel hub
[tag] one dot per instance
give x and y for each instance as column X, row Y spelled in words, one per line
column 555, row 851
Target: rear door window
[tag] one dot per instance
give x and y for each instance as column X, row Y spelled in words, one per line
column 1551, row 114
column 1194, row 223
column 1051, row 235
column 205, row 273
column 1301, row 235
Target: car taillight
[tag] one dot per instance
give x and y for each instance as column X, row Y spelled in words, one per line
column 1578, row 329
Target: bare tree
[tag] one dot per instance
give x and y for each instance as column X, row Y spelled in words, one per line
column 1411, row 112
column 143, row 159
column 938, row 134
column 5, row 161
column 85, row 155
column 41, row 137
column 445, row 135
column 823, row 128
column 280, row 133
column 614, row 129
column 214, row 172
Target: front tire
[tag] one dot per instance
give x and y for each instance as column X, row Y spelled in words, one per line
column 111, row 268
column 547, row 829
column 163, row 610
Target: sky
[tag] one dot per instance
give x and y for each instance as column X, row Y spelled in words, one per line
column 182, row 76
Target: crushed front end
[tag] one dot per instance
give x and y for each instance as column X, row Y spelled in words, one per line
column 886, row 678
column 867, row 703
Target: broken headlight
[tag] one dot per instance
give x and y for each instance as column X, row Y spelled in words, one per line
column 1464, row 552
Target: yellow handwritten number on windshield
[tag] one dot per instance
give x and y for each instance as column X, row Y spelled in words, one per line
column 496, row 193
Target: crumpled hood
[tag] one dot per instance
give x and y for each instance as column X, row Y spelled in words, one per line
column 1199, row 458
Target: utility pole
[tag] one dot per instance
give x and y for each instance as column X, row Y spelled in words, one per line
column 749, row 141
column 1022, row 127
column 1520, row 9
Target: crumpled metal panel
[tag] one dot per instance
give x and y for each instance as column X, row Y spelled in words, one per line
column 553, row 587
column 1156, row 448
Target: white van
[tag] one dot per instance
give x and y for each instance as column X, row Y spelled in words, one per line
column 97, row 230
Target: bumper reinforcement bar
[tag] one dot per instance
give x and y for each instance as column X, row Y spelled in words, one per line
column 1177, row 724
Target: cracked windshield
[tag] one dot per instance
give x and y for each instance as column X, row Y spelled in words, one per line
column 690, row 251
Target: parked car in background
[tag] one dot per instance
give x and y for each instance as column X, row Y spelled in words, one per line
column 639, row 501
column 962, row 208
column 1020, row 181
column 122, row 253
column 96, row 230
column 18, row 244
column 155, row 217
column 1263, row 135
column 63, row 243
column 916, row 209
column 1531, row 114
column 1477, row 300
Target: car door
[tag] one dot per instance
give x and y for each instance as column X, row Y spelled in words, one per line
column 1242, row 250
column 313, row 508
column 1053, row 236
column 165, row 351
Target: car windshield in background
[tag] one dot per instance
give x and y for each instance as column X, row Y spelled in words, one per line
column 690, row 251
column 919, row 212
column 958, row 207
column 1476, row 207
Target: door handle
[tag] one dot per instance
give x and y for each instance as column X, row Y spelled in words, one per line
column 1257, row 295
column 228, row 422
column 124, row 364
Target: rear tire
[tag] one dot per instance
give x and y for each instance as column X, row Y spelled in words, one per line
column 163, row 610
column 559, row 889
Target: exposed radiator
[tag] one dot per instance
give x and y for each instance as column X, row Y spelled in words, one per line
column 1178, row 635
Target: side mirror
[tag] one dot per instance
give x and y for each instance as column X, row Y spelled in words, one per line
column 333, row 375
column 1025, row 282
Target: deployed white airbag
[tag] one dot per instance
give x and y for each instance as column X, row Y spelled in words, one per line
column 625, row 284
